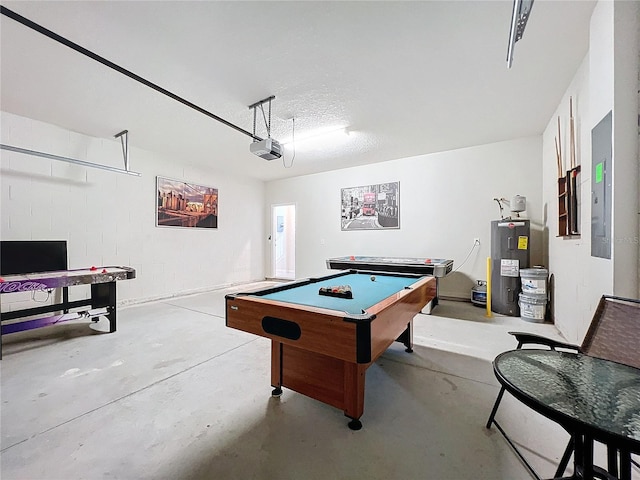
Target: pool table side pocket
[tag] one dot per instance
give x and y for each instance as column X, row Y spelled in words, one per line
column 321, row 331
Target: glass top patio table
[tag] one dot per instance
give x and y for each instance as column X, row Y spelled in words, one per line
column 586, row 395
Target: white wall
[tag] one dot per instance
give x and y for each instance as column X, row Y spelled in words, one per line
column 109, row 218
column 626, row 244
column 578, row 279
column 607, row 80
column 446, row 200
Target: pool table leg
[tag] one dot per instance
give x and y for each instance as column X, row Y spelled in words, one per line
column 276, row 368
column 355, row 424
column 354, row 376
column 406, row 337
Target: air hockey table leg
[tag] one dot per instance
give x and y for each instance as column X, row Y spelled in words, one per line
column 104, row 295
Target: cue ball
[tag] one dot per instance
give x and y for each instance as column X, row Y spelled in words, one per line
column 373, row 278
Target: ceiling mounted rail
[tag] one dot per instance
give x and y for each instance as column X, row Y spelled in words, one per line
column 60, row 39
column 75, row 161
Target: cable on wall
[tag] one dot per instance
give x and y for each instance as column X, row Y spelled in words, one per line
column 475, row 244
column 94, row 56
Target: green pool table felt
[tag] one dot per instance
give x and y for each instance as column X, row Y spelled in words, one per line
column 366, row 292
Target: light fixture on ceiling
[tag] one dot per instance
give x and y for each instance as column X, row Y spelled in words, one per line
column 322, row 136
column 519, row 17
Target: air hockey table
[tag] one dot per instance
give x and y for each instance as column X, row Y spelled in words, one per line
column 433, row 267
column 102, row 302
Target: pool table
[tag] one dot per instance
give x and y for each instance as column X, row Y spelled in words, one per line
column 321, row 346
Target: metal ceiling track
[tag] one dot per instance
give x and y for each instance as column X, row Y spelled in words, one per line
column 60, row 39
column 124, row 140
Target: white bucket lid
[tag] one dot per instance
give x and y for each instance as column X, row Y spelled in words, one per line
column 533, row 298
column 534, row 272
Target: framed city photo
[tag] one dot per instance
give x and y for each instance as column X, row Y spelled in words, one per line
column 371, row 207
column 182, row 204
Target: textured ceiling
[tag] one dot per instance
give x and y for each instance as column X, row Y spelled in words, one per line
column 405, row 78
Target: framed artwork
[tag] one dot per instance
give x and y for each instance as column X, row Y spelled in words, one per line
column 182, row 204
column 371, row 207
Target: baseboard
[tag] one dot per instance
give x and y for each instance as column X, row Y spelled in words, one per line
column 454, row 298
column 185, row 293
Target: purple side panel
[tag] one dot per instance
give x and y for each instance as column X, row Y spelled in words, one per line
column 31, row 324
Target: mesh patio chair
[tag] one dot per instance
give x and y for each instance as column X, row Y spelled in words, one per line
column 614, row 334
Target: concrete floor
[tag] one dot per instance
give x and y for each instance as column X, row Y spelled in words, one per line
column 174, row 394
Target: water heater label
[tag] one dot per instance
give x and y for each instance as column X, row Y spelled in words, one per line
column 523, row 243
column 509, row 267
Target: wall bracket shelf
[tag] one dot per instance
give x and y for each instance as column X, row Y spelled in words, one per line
column 568, row 204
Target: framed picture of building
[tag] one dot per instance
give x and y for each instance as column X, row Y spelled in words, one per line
column 371, row 207
column 183, row 204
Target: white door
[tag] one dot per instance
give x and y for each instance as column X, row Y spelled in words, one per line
column 283, row 243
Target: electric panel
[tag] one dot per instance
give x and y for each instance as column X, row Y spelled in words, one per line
column 601, row 177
